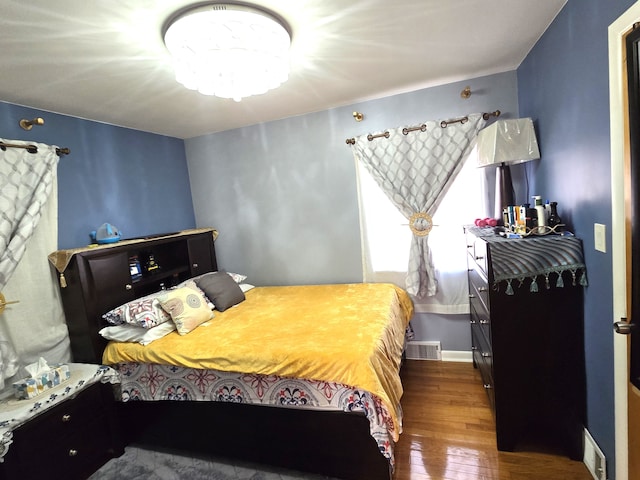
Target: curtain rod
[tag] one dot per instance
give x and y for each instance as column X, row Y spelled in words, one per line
column 423, row 127
column 33, row 148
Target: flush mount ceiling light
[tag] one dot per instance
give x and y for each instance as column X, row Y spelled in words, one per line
column 228, row 50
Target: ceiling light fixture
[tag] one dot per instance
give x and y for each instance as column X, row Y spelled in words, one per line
column 228, row 50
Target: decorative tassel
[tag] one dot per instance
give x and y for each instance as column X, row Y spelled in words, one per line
column 509, row 290
column 583, row 279
column 573, row 278
column 559, row 282
column 521, row 280
column 63, row 281
column 534, row 284
column 546, row 281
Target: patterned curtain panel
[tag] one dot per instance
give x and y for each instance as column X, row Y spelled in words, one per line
column 415, row 168
column 26, row 180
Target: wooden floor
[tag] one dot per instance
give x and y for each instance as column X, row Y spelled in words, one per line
column 449, row 432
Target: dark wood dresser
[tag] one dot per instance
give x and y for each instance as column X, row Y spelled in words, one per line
column 526, row 302
column 94, row 280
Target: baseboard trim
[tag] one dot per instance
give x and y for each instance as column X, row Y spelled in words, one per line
column 457, row 356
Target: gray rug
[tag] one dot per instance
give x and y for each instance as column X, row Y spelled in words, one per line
column 139, row 463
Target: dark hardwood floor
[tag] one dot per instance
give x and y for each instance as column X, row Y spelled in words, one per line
column 449, row 432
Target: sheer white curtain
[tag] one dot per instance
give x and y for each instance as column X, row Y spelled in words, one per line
column 415, row 169
column 36, row 325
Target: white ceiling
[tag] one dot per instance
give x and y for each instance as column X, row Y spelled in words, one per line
column 105, row 60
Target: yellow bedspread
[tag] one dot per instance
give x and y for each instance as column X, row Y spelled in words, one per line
column 346, row 333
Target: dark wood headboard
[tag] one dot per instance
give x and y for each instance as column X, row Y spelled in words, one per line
column 95, row 280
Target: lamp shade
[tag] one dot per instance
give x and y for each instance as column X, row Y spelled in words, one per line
column 229, row 50
column 507, row 142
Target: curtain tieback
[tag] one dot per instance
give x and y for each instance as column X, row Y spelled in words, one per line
column 4, row 303
column 420, row 224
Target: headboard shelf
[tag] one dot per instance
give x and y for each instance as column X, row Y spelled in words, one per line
column 100, row 279
column 162, row 275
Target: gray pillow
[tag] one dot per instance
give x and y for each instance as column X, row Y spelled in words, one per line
column 221, row 289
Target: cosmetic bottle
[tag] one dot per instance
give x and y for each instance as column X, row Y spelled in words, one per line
column 554, row 218
column 532, row 218
column 547, row 209
column 541, row 213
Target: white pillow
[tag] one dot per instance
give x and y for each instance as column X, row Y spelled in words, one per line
column 133, row 333
column 237, row 277
column 245, row 287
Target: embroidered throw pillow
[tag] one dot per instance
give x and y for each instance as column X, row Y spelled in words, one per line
column 187, row 306
column 143, row 312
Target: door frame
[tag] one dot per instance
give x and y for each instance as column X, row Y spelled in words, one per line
column 617, row 78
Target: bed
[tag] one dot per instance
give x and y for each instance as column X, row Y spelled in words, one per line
column 305, row 377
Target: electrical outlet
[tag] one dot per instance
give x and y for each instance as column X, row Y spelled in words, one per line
column 600, row 237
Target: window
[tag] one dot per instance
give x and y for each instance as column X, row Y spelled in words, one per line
column 386, row 237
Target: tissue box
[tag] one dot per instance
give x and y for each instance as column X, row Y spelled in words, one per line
column 32, row 387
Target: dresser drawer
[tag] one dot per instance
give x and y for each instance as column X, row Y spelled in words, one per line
column 483, row 361
column 83, row 450
column 477, row 251
column 75, row 437
column 63, row 419
column 478, row 289
column 481, row 321
column 482, row 346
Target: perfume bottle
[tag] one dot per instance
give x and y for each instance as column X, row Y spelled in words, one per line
column 554, row 218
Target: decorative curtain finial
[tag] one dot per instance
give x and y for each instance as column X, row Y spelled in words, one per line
column 28, row 124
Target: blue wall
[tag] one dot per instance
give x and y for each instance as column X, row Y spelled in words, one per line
column 283, row 194
column 564, row 86
column 134, row 180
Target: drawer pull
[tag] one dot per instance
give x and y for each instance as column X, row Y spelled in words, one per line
column 471, row 295
column 479, row 257
column 73, row 452
column 473, row 349
column 482, row 289
column 487, row 386
column 473, row 322
column 66, row 417
column 486, row 355
column 484, row 322
column 128, row 286
column 195, row 265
